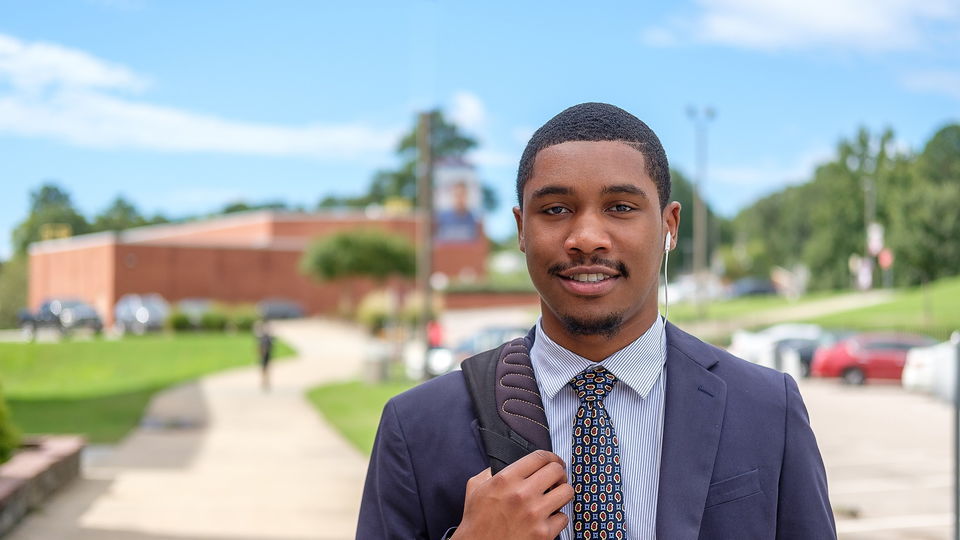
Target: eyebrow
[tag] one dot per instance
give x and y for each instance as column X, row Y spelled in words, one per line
column 625, row 188
column 551, row 190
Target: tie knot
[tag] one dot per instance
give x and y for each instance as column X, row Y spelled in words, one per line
column 593, row 385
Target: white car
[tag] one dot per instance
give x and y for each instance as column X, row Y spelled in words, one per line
column 762, row 347
column 933, row 370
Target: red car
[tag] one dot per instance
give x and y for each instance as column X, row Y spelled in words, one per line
column 867, row 356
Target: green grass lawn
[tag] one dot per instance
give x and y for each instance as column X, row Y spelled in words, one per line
column 100, row 388
column 930, row 310
column 747, row 305
column 354, row 408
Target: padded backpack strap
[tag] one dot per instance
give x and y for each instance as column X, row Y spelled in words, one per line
column 507, row 401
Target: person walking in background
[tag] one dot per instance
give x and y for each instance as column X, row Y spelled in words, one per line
column 261, row 331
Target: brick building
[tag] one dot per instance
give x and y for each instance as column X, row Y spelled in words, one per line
column 237, row 258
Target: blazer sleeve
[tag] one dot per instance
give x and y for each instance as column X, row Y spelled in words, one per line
column 391, row 508
column 803, row 509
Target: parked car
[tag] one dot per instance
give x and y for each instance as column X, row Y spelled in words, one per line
column 803, row 348
column 867, row 356
column 279, row 308
column 61, row 314
column 752, row 286
column 932, row 370
column 440, row 360
column 139, row 313
column 767, row 347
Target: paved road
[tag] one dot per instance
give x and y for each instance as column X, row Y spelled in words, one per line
column 225, row 461
column 888, row 458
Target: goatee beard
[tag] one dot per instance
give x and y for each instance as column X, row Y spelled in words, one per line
column 606, row 326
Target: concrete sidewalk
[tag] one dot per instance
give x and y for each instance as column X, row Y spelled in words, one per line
column 220, row 459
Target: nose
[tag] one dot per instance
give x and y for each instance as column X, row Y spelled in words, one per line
column 587, row 235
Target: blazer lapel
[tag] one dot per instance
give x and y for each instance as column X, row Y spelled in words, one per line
column 693, row 417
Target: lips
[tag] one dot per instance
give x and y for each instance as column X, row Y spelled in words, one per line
column 594, row 280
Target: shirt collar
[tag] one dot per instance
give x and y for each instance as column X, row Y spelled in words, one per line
column 638, row 365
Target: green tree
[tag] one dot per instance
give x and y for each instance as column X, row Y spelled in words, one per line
column 923, row 234
column 719, row 229
column 367, row 253
column 924, row 194
column 821, row 223
column 13, row 290
column 120, row 215
column 241, row 206
column 48, row 205
column 940, row 160
column 447, row 142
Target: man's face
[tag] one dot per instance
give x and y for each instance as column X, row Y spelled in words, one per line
column 593, row 233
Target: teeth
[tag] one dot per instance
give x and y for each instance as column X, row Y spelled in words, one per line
column 589, row 277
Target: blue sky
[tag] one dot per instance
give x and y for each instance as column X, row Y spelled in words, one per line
column 183, row 107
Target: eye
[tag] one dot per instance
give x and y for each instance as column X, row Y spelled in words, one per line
column 622, row 208
column 555, row 210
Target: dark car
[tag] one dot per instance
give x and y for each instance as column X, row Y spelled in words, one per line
column 61, row 314
column 139, row 313
column 867, row 356
column 279, row 308
column 752, row 286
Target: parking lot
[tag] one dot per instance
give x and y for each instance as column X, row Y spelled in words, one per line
column 889, row 459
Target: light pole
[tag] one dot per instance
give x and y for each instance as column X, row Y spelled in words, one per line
column 700, row 118
column 425, row 203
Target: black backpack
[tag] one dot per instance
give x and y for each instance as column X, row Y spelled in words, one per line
column 507, row 401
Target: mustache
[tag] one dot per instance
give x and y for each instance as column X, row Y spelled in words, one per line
column 616, row 266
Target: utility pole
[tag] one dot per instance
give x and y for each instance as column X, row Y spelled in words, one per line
column 700, row 120
column 425, row 204
column 955, row 340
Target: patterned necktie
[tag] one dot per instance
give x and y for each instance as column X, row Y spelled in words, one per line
column 598, row 498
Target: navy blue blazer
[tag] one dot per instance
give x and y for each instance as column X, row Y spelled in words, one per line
column 739, row 460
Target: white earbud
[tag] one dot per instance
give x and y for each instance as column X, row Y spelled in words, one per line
column 667, row 242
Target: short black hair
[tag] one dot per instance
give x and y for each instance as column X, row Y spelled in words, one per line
column 599, row 122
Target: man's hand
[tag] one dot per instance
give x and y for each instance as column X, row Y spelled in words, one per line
column 520, row 503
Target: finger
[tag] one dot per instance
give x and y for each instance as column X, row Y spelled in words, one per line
column 557, row 498
column 477, row 480
column 547, row 477
column 556, row 524
column 531, row 463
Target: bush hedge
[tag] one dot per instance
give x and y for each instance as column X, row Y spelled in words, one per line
column 9, row 434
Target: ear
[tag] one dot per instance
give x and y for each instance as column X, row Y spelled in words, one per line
column 518, row 215
column 671, row 221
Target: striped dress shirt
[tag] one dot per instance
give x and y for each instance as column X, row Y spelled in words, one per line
column 635, row 406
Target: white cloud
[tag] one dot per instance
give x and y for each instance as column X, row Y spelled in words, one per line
column 64, row 94
column 467, row 111
column 946, row 83
column 495, row 158
column 869, row 25
column 770, row 174
column 34, row 66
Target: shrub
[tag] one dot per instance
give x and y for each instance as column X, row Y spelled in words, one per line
column 374, row 311
column 178, row 321
column 13, row 290
column 413, row 307
column 9, row 434
column 214, row 320
column 243, row 316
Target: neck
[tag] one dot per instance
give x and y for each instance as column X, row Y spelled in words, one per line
column 596, row 347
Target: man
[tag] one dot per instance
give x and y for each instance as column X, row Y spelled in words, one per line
column 653, row 433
